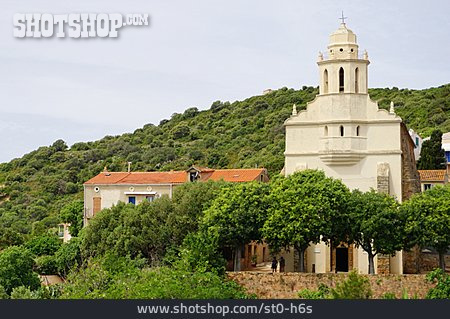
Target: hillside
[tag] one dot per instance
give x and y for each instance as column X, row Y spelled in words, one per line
column 245, row 133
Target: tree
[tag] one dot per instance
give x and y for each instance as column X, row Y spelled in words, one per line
column 59, row 146
column 375, row 224
column 238, row 215
column 43, row 245
column 16, row 269
column 428, row 220
column 190, row 200
column 68, row 256
column 302, row 207
column 432, row 156
column 72, row 214
column 201, row 252
column 140, row 230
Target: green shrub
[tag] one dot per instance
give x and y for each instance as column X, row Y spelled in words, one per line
column 121, row 278
column 23, row 292
column 389, row 295
column 46, row 265
column 354, row 287
column 3, row 294
column 68, row 256
column 43, row 245
column 442, row 288
column 16, row 269
column 322, row 293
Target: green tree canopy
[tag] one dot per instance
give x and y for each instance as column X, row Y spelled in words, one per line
column 190, row 200
column 126, row 229
column 428, row 220
column 238, row 215
column 72, row 213
column 43, row 245
column 375, row 224
column 16, row 269
column 302, row 209
column 432, row 155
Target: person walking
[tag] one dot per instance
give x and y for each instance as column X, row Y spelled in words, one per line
column 274, row 264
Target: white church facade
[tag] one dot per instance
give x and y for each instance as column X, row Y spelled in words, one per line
column 344, row 133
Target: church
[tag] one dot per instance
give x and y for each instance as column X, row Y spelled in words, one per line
column 344, row 133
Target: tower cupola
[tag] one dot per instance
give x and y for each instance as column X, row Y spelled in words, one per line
column 342, row 69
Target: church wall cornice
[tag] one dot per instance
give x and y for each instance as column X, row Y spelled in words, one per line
column 341, row 121
column 339, row 61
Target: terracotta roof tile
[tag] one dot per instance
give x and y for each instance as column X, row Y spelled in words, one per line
column 236, row 175
column 172, row 177
column 432, row 175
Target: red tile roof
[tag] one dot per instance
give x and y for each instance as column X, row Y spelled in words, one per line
column 172, row 177
column 175, row 177
column 236, row 175
column 432, row 175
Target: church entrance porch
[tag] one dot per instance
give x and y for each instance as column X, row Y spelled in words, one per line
column 342, row 259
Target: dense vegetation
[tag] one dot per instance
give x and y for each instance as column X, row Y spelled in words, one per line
column 173, row 248
column 34, row 188
column 184, row 236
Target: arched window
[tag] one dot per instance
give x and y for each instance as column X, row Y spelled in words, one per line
column 325, row 81
column 341, row 129
column 357, row 130
column 325, row 131
column 356, row 80
column 341, row 80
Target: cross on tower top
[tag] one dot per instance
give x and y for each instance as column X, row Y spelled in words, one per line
column 343, row 18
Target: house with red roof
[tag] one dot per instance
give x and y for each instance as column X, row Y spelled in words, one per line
column 108, row 188
column 432, row 177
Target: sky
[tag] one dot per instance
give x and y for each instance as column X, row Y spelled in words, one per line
column 193, row 53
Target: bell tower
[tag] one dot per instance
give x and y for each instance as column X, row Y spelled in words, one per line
column 342, row 69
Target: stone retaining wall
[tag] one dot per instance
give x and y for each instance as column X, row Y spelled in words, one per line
column 286, row 286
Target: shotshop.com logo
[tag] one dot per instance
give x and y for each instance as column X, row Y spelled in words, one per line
column 74, row 25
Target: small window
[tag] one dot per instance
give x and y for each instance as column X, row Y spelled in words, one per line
column 150, row 198
column 341, row 49
column 357, row 130
column 427, row 186
column 351, row 50
column 132, row 200
column 341, row 128
column 341, row 80
column 417, row 141
column 61, row 231
column 325, row 81
column 193, row 176
column 356, row 80
column 325, row 131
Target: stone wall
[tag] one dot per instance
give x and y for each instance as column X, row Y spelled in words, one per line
column 287, row 286
column 410, row 175
column 416, row 261
column 383, row 267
